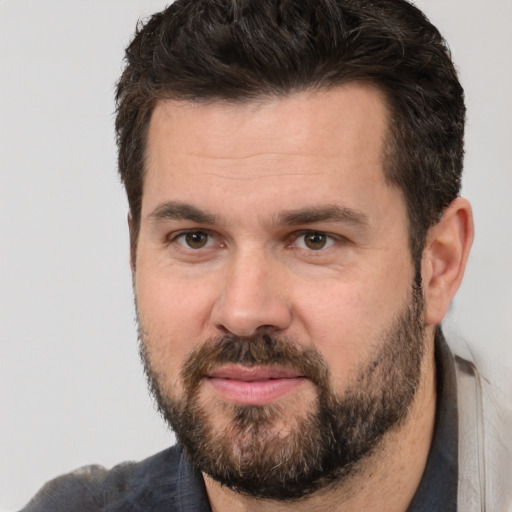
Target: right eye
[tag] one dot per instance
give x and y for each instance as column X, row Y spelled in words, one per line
column 194, row 239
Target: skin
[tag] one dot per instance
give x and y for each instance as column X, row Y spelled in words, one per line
column 247, row 167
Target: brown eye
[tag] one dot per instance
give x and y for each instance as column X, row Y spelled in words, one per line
column 196, row 239
column 315, row 241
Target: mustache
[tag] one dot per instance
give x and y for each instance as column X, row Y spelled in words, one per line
column 256, row 350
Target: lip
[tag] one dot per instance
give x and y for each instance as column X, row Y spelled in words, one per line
column 259, row 385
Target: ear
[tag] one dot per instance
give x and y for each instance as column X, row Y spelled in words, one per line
column 444, row 258
column 133, row 243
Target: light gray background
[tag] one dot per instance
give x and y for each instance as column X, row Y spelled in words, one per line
column 71, row 387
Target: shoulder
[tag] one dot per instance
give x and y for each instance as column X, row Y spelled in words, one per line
column 127, row 486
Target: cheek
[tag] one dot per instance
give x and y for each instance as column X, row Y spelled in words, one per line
column 172, row 314
column 345, row 318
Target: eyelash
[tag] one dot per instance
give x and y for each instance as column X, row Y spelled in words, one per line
column 175, row 238
column 328, row 239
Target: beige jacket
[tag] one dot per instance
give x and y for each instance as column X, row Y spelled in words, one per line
column 485, row 439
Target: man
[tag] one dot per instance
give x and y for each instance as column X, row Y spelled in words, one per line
column 293, row 172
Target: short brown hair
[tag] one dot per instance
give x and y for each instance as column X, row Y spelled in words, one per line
column 238, row 50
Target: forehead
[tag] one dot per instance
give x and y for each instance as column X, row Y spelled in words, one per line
column 302, row 122
column 320, row 145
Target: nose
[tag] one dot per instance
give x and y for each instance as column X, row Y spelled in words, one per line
column 252, row 297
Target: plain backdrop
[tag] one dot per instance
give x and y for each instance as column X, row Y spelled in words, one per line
column 72, row 391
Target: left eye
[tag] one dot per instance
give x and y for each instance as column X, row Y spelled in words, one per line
column 195, row 239
column 314, row 241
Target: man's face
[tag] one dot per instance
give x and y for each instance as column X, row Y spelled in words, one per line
column 274, row 286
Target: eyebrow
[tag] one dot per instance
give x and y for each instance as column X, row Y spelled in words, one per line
column 330, row 213
column 174, row 210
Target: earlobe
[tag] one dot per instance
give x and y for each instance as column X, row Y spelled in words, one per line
column 444, row 258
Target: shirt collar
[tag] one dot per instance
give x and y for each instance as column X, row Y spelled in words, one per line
column 437, row 491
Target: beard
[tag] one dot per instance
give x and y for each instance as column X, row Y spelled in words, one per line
column 265, row 451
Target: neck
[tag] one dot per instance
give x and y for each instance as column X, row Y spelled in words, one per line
column 386, row 481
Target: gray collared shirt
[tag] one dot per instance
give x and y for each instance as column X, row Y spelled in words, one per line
column 437, row 491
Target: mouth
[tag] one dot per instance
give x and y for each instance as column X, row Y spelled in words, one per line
column 258, row 385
